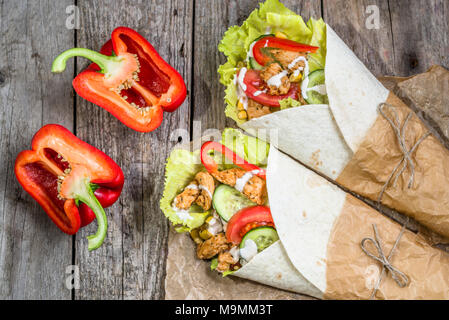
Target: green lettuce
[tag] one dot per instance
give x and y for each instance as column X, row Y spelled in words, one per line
column 271, row 17
column 181, row 168
column 253, row 150
column 289, row 103
column 214, row 265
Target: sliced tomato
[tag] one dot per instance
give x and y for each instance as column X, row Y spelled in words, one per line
column 254, row 83
column 264, row 44
column 246, row 220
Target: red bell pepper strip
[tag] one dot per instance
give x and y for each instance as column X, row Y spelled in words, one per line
column 261, row 49
column 212, row 167
column 60, row 171
column 254, row 84
column 247, row 219
column 132, row 81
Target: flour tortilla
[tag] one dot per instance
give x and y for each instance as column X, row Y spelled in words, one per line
column 272, row 266
column 325, row 137
column 304, row 207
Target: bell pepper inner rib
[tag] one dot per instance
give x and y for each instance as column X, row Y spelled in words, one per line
column 47, row 182
column 151, row 77
column 106, row 63
column 147, row 95
column 85, row 194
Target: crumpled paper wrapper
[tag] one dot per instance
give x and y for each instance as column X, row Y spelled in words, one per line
column 351, row 274
column 190, row 278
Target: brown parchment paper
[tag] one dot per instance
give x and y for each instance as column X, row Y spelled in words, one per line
column 428, row 199
column 189, row 278
column 351, row 274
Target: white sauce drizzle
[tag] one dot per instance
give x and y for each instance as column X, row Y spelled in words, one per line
column 241, row 96
column 215, row 226
column 182, row 214
column 250, row 51
column 305, row 81
column 258, row 92
column 321, row 89
column 201, row 187
column 276, row 80
column 242, row 181
column 235, row 253
column 249, row 250
column 192, row 186
column 241, row 77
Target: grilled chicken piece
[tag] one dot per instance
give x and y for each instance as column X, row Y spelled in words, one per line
column 206, row 186
column 225, row 260
column 285, row 57
column 185, row 199
column 255, row 189
column 213, row 246
column 256, row 110
column 273, row 70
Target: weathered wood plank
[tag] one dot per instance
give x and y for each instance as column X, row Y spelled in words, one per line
column 421, row 35
column 34, row 253
column 212, row 19
column 355, row 22
column 131, row 262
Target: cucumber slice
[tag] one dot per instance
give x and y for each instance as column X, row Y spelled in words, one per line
column 227, row 201
column 253, row 64
column 262, row 236
column 316, row 78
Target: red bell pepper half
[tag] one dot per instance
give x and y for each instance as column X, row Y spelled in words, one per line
column 254, row 83
column 262, row 48
column 129, row 79
column 60, row 172
column 212, row 167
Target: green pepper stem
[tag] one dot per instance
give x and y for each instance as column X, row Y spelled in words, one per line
column 86, row 195
column 106, row 63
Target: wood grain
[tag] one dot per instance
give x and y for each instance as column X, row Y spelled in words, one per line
column 374, row 47
column 130, row 265
column 34, row 253
column 421, row 35
column 131, row 262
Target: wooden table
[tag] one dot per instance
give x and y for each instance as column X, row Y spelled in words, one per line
column 34, row 255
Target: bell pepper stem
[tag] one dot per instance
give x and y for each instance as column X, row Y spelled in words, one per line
column 86, row 195
column 106, row 63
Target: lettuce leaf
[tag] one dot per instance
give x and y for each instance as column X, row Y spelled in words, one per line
column 272, row 16
column 289, row 103
column 181, row 168
column 253, row 150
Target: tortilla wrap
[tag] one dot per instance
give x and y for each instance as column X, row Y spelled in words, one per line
column 352, row 143
column 321, row 228
column 271, row 266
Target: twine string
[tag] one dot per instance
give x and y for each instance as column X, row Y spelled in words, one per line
column 406, row 160
column 397, row 275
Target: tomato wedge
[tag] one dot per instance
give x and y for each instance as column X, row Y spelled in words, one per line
column 261, row 47
column 254, row 83
column 246, row 220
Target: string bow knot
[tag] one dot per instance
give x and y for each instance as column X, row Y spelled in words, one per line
column 398, row 276
column 406, row 160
